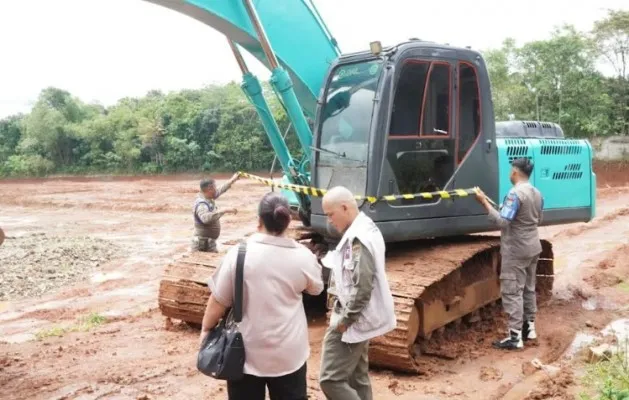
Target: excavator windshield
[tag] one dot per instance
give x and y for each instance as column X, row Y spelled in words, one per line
column 346, row 116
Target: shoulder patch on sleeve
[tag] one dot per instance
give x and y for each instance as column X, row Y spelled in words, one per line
column 510, row 206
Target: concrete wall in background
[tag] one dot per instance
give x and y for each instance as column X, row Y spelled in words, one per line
column 611, row 148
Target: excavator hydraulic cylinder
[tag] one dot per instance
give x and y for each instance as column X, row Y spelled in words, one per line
column 253, row 89
column 281, row 82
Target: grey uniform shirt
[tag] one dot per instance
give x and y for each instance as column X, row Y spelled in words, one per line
column 207, row 216
column 518, row 219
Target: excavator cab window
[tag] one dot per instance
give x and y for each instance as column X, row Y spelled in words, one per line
column 469, row 124
column 421, row 147
column 343, row 146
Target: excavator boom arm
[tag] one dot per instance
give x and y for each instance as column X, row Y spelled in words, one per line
column 299, row 38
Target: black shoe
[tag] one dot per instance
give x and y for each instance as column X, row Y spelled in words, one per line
column 512, row 342
column 528, row 331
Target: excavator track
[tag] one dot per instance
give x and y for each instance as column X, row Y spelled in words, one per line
column 183, row 290
column 435, row 283
column 438, row 283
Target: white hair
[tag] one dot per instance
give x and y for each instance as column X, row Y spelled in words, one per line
column 339, row 195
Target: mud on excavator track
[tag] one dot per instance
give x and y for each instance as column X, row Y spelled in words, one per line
column 436, row 283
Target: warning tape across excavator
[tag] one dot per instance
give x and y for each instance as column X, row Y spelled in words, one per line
column 307, row 190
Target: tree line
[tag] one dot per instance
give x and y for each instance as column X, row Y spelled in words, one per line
column 216, row 129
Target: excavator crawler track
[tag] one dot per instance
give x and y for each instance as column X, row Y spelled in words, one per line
column 440, row 283
column 436, row 283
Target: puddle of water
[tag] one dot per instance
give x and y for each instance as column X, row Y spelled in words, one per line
column 618, row 328
column 594, row 303
column 580, row 340
column 18, row 338
column 101, row 277
column 5, row 316
column 113, row 313
column 140, row 290
column 23, row 325
column 589, row 304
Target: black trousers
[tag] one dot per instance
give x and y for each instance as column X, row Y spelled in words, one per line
column 287, row 387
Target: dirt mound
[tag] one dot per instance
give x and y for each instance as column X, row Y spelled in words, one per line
column 603, row 279
column 554, row 388
column 490, row 374
column 36, row 264
column 611, row 173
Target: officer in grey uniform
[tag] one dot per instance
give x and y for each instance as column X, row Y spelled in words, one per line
column 207, row 225
column 520, row 247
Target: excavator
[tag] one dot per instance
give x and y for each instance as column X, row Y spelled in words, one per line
column 410, row 126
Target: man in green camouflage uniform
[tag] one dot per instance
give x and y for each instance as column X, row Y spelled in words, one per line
column 207, row 224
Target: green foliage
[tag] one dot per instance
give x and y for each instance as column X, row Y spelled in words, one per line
column 609, row 377
column 216, row 129
column 557, row 80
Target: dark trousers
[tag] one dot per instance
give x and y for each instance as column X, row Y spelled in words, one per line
column 287, row 387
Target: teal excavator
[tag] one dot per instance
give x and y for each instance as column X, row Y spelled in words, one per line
column 408, row 125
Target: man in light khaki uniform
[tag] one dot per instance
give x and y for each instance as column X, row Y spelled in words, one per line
column 520, row 247
column 362, row 301
column 207, row 224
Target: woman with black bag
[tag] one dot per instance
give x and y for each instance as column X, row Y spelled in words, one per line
column 274, row 329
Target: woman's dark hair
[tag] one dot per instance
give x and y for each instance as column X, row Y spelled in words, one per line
column 524, row 165
column 274, row 213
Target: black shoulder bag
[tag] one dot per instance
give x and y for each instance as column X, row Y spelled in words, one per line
column 222, row 353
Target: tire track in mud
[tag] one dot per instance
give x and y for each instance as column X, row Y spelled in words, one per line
column 583, row 247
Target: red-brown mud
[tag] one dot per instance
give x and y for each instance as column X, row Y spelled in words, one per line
column 134, row 354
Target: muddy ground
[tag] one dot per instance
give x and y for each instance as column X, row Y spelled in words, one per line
column 80, row 269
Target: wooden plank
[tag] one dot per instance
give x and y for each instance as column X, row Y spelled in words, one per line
column 190, row 272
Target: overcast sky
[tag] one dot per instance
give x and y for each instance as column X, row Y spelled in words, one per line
column 102, row 50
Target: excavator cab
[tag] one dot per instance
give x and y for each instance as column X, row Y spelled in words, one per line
column 408, row 120
column 418, row 117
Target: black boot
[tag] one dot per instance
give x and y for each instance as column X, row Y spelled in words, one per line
column 512, row 342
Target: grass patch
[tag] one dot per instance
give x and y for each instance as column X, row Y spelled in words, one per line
column 83, row 324
column 609, row 378
column 55, row 331
column 624, row 286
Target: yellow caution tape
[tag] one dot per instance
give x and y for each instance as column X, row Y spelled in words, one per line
column 444, row 194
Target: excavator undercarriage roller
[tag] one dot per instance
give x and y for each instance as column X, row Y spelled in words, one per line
column 436, row 284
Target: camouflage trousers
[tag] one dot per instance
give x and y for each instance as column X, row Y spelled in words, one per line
column 517, row 286
column 344, row 373
column 204, row 244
